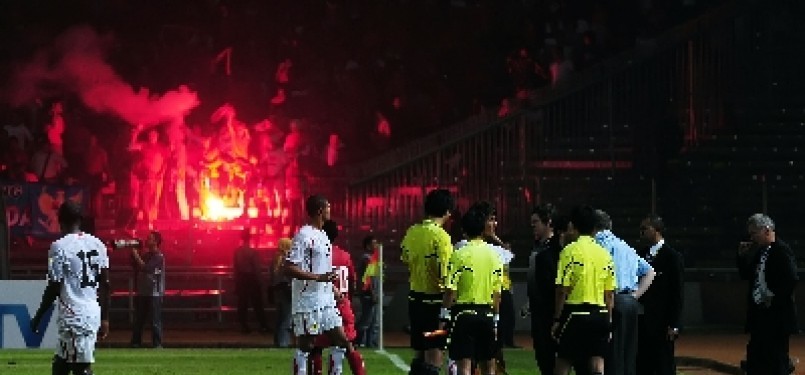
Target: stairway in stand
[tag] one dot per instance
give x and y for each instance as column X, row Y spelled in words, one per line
column 757, row 164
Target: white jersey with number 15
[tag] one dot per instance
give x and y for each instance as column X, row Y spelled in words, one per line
column 75, row 261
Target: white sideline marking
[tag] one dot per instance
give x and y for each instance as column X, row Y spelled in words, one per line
column 395, row 359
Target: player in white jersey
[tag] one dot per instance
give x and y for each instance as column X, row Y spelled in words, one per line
column 78, row 279
column 311, row 251
column 309, row 264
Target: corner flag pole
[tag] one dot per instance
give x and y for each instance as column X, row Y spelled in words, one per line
column 380, row 275
column 5, row 234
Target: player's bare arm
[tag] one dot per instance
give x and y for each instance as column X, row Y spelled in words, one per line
column 50, row 294
column 104, row 297
column 296, row 272
column 135, row 254
column 337, row 293
column 561, row 295
column 448, row 299
column 609, row 300
column 496, row 310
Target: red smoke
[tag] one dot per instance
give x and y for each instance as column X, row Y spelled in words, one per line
column 76, row 62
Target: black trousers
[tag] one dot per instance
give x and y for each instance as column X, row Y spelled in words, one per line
column 544, row 344
column 249, row 293
column 655, row 353
column 143, row 306
column 623, row 351
column 506, row 324
column 767, row 352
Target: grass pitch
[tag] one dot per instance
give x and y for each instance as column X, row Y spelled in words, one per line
column 217, row 362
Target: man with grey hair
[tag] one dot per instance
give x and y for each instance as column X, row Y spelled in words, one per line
column 771, row 316
column 633, row 275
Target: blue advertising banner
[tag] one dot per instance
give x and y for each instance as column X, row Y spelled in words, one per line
column 32, row 209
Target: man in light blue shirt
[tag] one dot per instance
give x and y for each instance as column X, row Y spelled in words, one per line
column 633, row 275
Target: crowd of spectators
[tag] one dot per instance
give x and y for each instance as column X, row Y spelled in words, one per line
column 375, row 74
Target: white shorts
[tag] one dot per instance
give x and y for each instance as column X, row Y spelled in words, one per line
column 316, row 322
column 76, row 346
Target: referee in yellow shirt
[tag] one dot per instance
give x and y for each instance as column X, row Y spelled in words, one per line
column 472, row 298
column 426, row 249
column 585, row 282
column 506, row 329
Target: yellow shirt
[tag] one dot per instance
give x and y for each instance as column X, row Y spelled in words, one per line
column 475, row 273
column 588, row 269
column 426, row 249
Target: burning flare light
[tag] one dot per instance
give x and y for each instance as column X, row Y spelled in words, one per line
column 216, row 210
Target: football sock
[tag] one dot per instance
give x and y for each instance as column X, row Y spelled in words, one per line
column 59, row 366
column 315, row 360
column 452, row 367
column 417, row 366
column 336, row 361
column 300, row 363
column 355, row 360
column 430, row 369
column 81, row 368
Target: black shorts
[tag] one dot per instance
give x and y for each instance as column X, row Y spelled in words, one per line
column 583, row 332
column 473, row 333
column 423, row 313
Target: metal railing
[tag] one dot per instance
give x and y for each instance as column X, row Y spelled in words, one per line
column 622, row 107
column 213, row 286
column 703, row 285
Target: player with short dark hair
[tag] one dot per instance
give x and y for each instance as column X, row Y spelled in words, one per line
column 426, row 250
column 315, row 204
column 313, row 305
column 343, row 284
column 78, row 277
column 472, row 297
column 584, row 297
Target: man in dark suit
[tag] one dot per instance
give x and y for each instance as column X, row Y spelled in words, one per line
column 771, row 317
column 658, row 326
column 542, row 284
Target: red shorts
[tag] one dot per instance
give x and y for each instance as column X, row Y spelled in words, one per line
column 348, row 322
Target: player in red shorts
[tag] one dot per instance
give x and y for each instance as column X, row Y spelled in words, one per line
column 345, row 281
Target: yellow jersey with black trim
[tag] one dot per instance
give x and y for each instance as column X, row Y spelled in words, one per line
column 426, row 249
column 475, row 273
column 588, row 269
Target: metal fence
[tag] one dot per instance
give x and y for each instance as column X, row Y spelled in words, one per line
column 612, row 119
column 206, row 296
